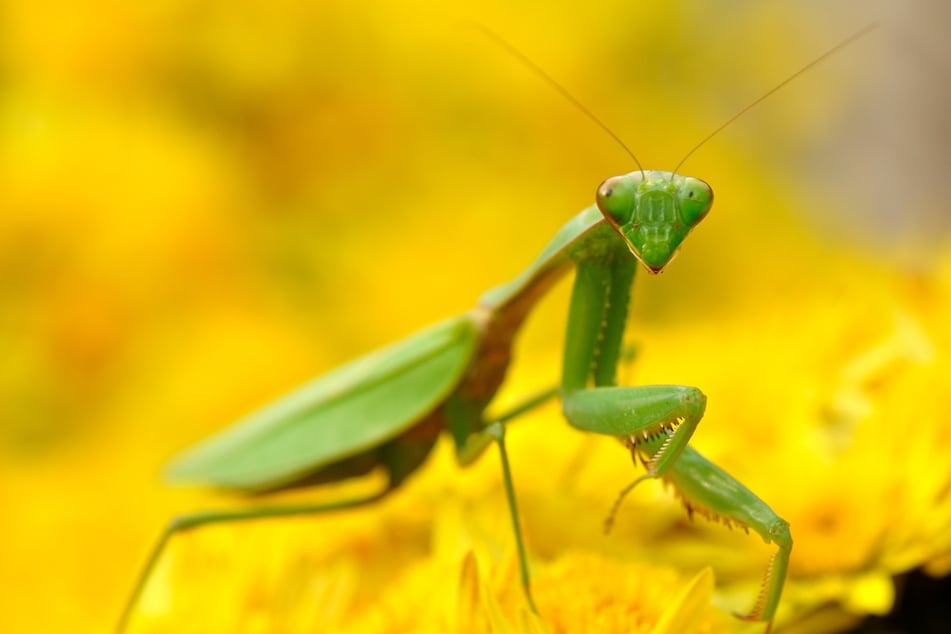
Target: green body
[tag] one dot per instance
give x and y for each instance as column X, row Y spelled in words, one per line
column 386, row 410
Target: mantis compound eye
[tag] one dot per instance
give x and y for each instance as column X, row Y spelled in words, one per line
column 616, row 199
column 696, row 198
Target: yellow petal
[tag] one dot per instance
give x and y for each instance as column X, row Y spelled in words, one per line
column 684, row 613
column 870, row 594
column 497, row 621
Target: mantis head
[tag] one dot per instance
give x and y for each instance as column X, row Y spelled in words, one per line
column 653, row 212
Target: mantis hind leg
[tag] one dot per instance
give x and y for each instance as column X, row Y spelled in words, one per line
column 194, row 520
column 400, row 458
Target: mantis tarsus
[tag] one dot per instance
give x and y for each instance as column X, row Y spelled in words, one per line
column 386, row 410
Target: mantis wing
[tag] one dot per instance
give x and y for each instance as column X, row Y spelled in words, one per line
column 351, row 409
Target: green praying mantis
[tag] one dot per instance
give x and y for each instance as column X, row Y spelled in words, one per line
column 386, row 410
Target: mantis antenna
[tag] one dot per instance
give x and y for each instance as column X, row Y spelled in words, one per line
column 535, row 68
column 835, row 49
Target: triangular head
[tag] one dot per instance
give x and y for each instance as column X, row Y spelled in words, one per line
column 654, row 211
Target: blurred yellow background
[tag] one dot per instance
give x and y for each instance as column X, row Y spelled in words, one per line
column 203, row 204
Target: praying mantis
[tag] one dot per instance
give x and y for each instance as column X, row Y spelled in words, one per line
column 386, row 410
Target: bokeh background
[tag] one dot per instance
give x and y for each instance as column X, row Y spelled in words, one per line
column 205, row 203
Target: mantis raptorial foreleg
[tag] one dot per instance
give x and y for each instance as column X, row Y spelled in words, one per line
column 596, row 320
column 709, row 491
column 655, row 422
column 671, row 412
